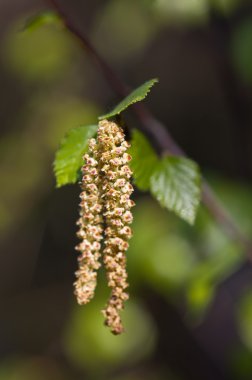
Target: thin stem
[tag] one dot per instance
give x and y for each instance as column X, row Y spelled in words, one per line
column 117, row 85
column 156, row 130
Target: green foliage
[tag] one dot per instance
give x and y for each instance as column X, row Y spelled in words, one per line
column 174, row 181
column 176, row 185
column 144, row 160
column 43, row 18
column 135, row 96
column 69, row 156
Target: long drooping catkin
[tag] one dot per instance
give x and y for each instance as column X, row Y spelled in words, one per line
column 116, row 191
column 90, row 227
column 105, row 200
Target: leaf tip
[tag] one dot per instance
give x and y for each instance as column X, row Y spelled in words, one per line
column 135, row 96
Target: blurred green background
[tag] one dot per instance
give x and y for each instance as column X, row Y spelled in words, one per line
column 190, row 311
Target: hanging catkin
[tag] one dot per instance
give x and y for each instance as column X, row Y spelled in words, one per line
column 105, row 201
column 90, row 227
column 116, row 191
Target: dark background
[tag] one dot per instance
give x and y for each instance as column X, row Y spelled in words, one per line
column 190, row 314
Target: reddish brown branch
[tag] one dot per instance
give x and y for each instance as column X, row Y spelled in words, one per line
column 155, row 129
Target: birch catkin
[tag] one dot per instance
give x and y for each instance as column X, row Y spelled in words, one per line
column 105, row 200
column 90, row 227
column 116, row 190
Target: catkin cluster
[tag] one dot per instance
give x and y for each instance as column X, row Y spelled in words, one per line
column 105, row 202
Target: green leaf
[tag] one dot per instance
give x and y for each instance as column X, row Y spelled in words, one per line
column 68, row 158
column 40, row 19
column 144, row 160
column 135, row 96
column 176, row 185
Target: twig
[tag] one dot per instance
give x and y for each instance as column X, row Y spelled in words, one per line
column 155, row 129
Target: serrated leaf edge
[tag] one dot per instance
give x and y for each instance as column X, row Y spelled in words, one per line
column 138, row 98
